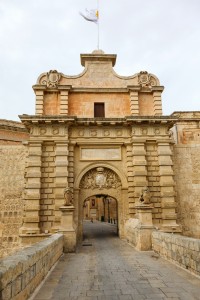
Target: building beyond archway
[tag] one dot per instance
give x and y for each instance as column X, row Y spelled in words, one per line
column 102, row 208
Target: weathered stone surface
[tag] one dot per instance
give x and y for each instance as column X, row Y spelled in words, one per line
column 187, row 177
column 183, row 251
column 110, row 269
column 12, row 168
column 22, row 272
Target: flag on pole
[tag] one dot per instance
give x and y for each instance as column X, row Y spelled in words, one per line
column 91, row 15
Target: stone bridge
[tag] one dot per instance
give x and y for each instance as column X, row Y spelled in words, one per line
column 103, row 267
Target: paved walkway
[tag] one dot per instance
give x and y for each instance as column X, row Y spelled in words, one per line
column 107, row 268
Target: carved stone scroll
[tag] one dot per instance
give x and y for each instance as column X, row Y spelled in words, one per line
column 52, row 79
column 146, row 80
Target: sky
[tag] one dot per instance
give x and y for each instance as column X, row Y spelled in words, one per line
column 158, row 36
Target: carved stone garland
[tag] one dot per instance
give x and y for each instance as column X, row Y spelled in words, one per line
column 100, row 178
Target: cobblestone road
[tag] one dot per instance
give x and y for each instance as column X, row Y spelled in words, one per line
column 107, row 268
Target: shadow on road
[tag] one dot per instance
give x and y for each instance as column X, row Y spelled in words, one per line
column 98, row 230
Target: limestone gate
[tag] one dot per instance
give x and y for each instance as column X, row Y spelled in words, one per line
column 100, row 134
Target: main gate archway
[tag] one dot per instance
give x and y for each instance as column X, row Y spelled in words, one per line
column 101, row 180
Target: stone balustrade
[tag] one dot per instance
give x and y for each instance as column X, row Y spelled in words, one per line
column 22, row 272
column 183, row 251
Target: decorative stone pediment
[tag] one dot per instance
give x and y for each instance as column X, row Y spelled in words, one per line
column 146, row 80
column 52, row 79
column 100, row 178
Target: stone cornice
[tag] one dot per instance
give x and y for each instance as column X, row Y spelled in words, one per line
column 98, row 57
column 186, row 115
column 70, row 88
column 73, row 120
column 12, row 125
column 40, row 87
column 138, row 88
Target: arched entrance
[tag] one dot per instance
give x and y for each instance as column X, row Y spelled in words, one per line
column 100, row 218
column 101, row 207
column 103, row 182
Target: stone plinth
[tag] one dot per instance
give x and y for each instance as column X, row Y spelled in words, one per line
column 144, row 241
column 67, row 228
column 145, row 214
column 30, row 239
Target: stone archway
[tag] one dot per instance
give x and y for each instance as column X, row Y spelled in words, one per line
column 101, row 179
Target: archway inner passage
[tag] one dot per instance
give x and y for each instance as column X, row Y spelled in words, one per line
column 100, row 211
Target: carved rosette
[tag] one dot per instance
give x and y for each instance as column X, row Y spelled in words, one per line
column 146, row 80
column 100, row 178
column 52, row 79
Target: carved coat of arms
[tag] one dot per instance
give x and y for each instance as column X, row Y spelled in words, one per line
column 100, row 178
column 145, row 79
column 53, row 78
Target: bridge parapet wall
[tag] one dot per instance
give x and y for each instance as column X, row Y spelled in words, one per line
column 181, row 250
column 22, row 272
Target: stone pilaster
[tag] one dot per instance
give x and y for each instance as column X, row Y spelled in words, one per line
column 39, row 102
column 139, row 167
column 130, row 178
column 32, row 190
column 71, row 183
column 67, row 228
column 134, row 103
column 64, row 102
column 167, row 192
column 71, row 166
column 76, row 205
column 61, row 178
column 145, row 227
column 157, row 103
column 47, row 201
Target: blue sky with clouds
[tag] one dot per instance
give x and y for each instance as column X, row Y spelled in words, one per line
column 159, row 36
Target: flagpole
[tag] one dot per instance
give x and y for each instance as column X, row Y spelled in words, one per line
column 98, row 25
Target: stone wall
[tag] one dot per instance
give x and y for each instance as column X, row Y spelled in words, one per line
column 131, row 231
column 12, row 132
column 12, row 166
column 82, row 104
column 187, row 178
column 23, row 272
column 181, row 250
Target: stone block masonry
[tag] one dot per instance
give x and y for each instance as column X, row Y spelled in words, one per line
column 12, row 167
column 23, row 272
column 187, row 177
column 183, row 251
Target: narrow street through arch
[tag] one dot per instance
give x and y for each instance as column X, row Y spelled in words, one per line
column 107, row 268
column 102, row 208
